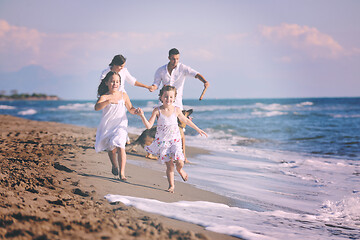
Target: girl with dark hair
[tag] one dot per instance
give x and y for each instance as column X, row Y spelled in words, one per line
column 111, row 134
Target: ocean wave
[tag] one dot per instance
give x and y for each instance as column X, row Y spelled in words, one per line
column 273, row 106
column 224, row 141
column 77, row 106
column 308, row 138
column 211, row 108
column 263, row 106
column 306, row 177
column 221, row 218
column 305, row 104
column 148, row 109
column 344, row 212
column 7, row 107
column 268, row 114
column 244, row 223
column 135, row 130
column 27, row 112
column 346, row 115
column 151, row 103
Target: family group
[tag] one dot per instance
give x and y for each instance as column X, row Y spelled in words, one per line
column 168, row 145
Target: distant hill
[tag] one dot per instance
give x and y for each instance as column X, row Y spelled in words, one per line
column 25, row 96
column 37, row 79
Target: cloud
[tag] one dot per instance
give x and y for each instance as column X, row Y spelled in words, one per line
column 18, row 42
column 202, row 54
column 67, row 52
column 236, row 37
column 284, row 59
column 307, row 39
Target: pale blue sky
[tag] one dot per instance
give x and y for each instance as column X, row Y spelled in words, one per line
column 245, row 49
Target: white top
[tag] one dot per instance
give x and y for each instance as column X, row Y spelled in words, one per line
column 124, row 75
column 167, row 144
column 176, row 79
column 112, row 129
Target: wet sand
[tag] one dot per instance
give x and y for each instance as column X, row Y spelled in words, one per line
column 52, row 186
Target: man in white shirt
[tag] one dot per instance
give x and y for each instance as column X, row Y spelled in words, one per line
column 118, row 65
column 174, row 74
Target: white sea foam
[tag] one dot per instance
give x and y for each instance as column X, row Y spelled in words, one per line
column 305, row 104
column 268, row 114
column 346, row 115
column 345, row 212
column 152, row 103
column 273, row 107
column 259, row 106
column 213, row 216
column 218, row 107
column 250, row 224
column 135, row 130
column 7, row 107
column 266, row 178
column 248, row 111
column 77, row 106
column 27, row 112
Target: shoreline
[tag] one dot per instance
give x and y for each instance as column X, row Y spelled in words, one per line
column 51, row 176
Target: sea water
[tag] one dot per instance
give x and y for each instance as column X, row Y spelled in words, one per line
column 291, row 166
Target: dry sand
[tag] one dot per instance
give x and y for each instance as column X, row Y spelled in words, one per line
column 52, row 186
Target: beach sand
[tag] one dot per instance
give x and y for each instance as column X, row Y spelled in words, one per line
column 52, row 186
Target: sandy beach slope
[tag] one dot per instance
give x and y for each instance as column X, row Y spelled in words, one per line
column 52, row 186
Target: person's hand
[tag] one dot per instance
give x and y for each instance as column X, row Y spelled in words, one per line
column 152, row 88
column 139, row 112
column 202, row 133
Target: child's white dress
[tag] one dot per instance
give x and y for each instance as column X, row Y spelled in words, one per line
column 112, row 130
column 167, row 144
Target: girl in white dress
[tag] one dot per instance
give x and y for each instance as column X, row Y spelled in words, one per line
column 111, row 133
column 167, row 144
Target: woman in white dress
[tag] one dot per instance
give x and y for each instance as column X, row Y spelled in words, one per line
column 111, row 135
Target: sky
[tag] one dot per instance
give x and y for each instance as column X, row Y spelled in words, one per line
column 244, row 48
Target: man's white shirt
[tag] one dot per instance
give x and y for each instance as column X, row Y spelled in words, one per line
column 176, row 79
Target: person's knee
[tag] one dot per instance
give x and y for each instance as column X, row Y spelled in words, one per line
column 179, row 165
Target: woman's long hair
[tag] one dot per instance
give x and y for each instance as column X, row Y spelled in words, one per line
column 103, row 88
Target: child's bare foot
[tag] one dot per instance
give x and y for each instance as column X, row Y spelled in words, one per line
column 183, row 175
column 122, row 177
column 150, row 156
column 171, row 189
column 115, row 171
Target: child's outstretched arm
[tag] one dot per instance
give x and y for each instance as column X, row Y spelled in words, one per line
column 182, row 118
column 102, row 102
column 150, row 123
column 129, row 105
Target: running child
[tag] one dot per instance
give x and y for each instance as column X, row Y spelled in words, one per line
column 111, row 134
column 167, row 144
